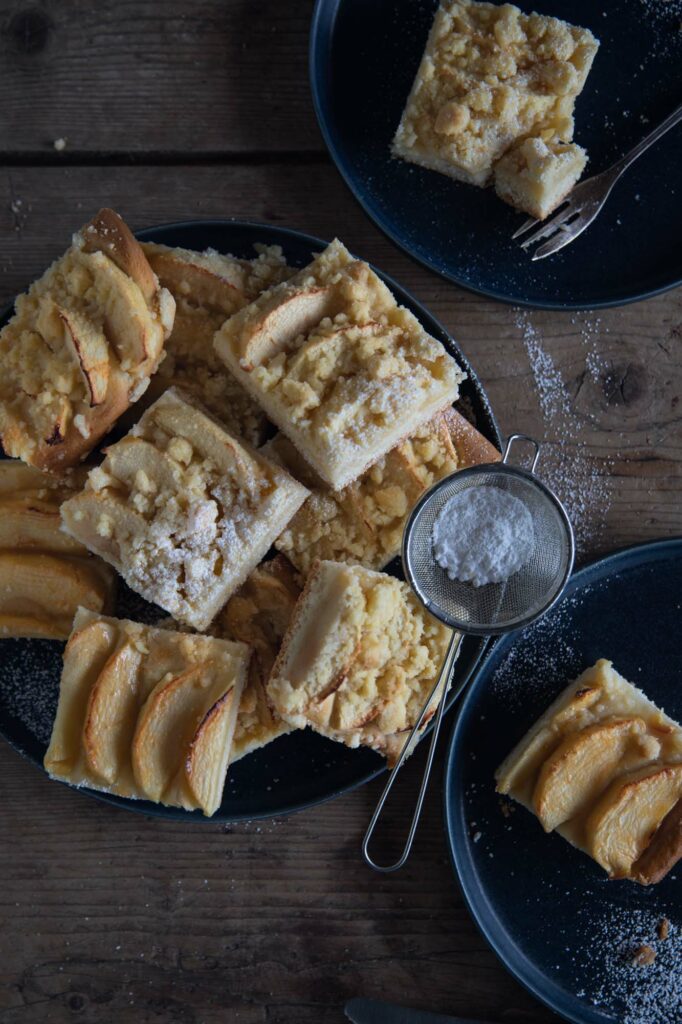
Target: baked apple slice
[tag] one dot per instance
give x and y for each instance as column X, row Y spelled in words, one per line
column 281, row 322
column 87, row 652
column 212, row 281
column 133, row 455
column 165, row 728
column 111, row 714
column 209, row 752
column 626, row 817
column 580, row 768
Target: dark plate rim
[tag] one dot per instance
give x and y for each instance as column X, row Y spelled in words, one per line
column 318, row 42
column 434, row 326
column 475, row 899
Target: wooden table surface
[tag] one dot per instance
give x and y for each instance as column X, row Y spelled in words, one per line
column 171, row 111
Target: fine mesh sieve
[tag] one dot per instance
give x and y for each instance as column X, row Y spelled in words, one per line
column 487, row 610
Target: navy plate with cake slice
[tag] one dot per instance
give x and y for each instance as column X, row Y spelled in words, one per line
column 363, row 59
column 550, row 913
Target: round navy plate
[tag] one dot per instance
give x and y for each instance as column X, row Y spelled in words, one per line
column 557, row 923
column 294, row 771
column 363, row 58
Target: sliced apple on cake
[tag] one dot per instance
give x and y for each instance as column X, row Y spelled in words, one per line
column 603, row 768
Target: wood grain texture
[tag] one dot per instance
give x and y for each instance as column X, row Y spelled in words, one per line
column 106, row 916
column 139, row 76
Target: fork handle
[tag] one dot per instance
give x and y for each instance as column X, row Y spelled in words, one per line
column 670, row 121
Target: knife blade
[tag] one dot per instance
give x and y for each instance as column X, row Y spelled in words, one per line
column 375, row 1011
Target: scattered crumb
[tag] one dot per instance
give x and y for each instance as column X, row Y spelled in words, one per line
column 663, row 929
column 643, row 956
column 59, row 145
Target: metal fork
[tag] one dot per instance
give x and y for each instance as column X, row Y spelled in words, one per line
column 583, row 204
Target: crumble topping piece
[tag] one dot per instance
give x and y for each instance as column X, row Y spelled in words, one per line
column 208, row 288
column 81, row 346
column 536, row 176
column 359, row 659
column 341, row 369
column 364, row 522
column 45, row 574
column 145, row 713
column 182, row 509
column 491, row 75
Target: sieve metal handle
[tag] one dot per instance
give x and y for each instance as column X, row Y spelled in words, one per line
column 450, row 655
column 522, row 437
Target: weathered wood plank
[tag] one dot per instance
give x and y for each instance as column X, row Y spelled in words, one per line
column 111, row 916
column 602, row 391
column 221, row 76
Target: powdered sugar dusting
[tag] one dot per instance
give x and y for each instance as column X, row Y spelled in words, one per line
column 578, row 478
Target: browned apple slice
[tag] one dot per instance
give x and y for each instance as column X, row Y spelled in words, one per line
column 166, row 725
column 525, row 759
column 664, row 850
column 111, row 714
column 109, row 233
column 89, row 647
column 90, row 348
column 214, row 282
column 48, row 590
column 624, row 820
column 209, row 752
column 580, row 768
column 280, row 324
column 126, row 318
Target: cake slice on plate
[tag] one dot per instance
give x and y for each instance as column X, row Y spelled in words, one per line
column 603, row 767
column 81, row 346
column 359, row 659
column 146, row 713
column 338, row 365
column 182, row 509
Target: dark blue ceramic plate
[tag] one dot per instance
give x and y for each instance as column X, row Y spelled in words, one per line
column 547, row 910
column 363, row 58
column 295, row 771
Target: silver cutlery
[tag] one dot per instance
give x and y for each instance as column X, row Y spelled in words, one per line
column 582, row 205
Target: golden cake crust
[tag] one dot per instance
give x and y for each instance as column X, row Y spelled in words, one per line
column 341, row 369
column 364, row 522
column 81, row 346
column 208, row 287
column 145, row 713
column 182, row 509
column 259, row 615
column 359, row 659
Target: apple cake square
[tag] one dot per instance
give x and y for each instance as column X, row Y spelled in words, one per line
column 208, row 287
column 182, row 509
column 341, row 369
column 359, row 659
column 490, row 76
column 146, row 713
column 363, row 523
column 45, row 574
column 81, row 346
column 603, row 768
